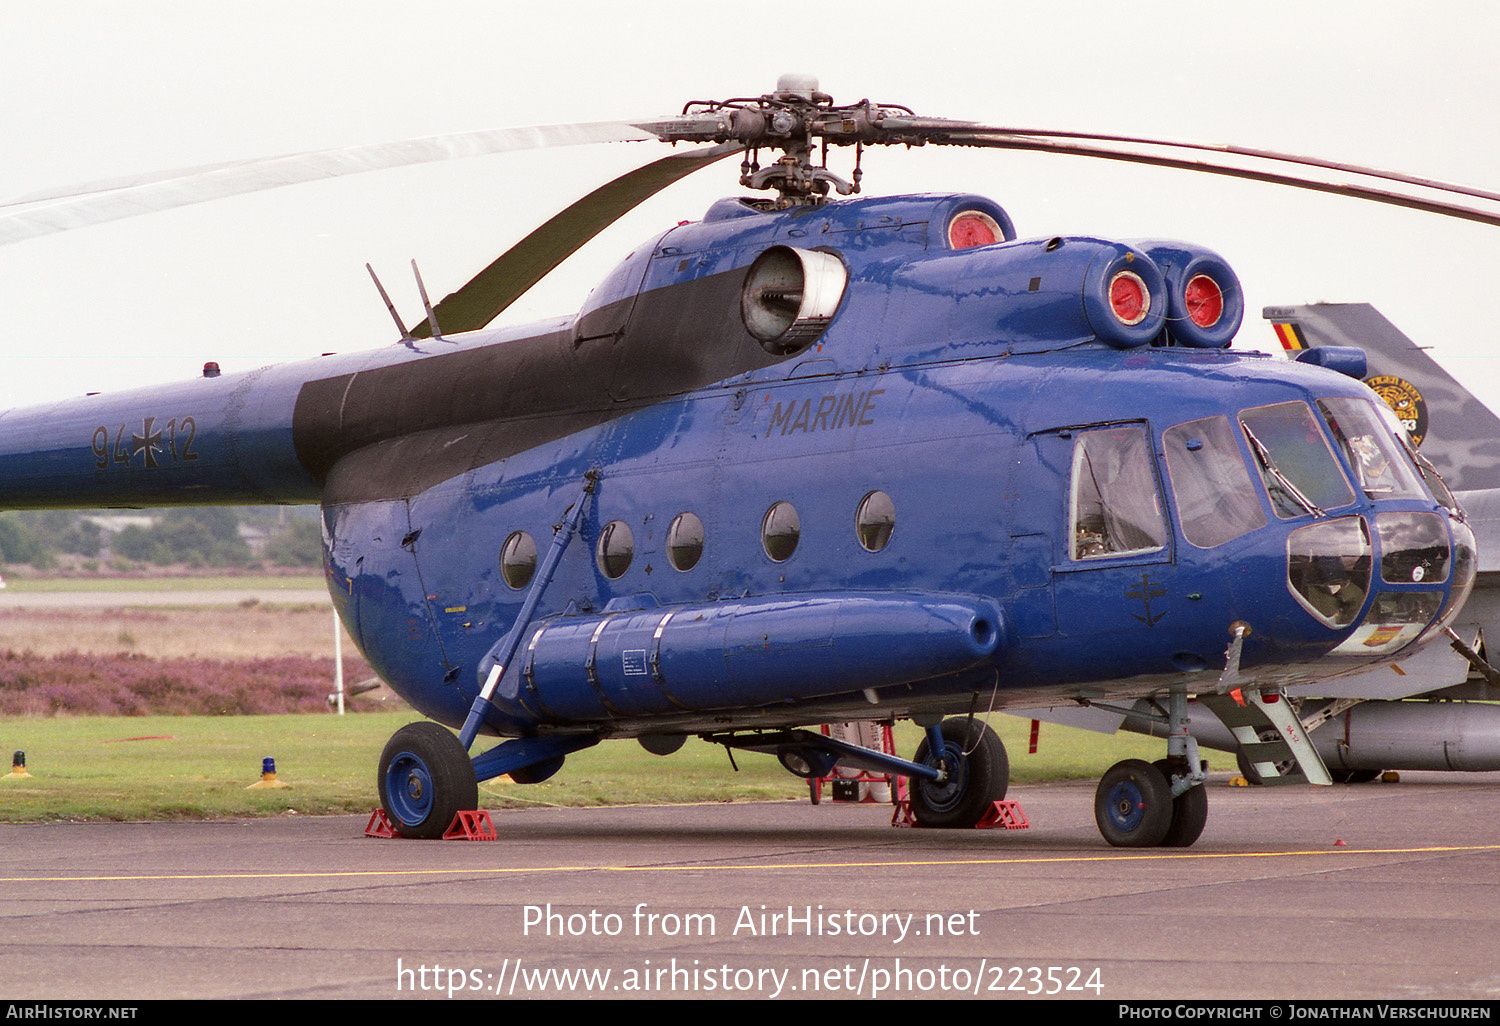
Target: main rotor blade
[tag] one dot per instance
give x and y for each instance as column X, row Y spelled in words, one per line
column 1352, row 189
column 96, row 202
column 958, row 133
column 1273, row 155
column 507, row 278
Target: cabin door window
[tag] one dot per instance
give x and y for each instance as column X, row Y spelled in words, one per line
column 1116, row 508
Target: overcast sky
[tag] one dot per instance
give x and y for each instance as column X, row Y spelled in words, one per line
column 101, row 89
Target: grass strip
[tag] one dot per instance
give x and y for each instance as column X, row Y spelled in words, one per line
column 133, row 768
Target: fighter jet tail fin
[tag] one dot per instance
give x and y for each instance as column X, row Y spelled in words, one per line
column 1453, row 429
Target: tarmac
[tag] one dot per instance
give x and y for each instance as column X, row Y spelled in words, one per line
column 1379, row 891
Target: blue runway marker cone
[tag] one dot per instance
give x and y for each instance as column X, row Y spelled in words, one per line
column 17, row 767
column 267, row 776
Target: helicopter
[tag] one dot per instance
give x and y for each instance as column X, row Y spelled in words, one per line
column 811, row 459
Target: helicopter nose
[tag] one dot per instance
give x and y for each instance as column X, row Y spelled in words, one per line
column 1424, row 571
column 1465, row 570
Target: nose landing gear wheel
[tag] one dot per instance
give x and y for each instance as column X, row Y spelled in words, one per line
column 1189, row 811
column 1133, row 805
column 425, row 780
column 976, row 780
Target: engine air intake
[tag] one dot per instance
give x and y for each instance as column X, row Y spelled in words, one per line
column 790, row 297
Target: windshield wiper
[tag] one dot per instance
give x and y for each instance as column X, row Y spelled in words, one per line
column 1435, row 483
column 1264, row 455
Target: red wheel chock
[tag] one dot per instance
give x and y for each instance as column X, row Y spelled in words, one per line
column 472, row 825
column 1005, row 814
column 380, row 825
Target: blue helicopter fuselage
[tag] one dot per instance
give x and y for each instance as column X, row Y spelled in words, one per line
column 977, row 482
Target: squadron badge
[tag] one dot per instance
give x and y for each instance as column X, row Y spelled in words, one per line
column 1402, row 396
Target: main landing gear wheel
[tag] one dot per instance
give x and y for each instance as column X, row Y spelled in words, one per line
column 1189, row 811
column 1133, row 806
column 425, row 780
column 978, row 775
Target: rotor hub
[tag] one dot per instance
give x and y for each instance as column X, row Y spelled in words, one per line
column 799, row 121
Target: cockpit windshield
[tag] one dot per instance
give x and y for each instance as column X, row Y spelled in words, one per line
column 1430, row 476
column 1425, row 559
column 1300, row 472
column 1379, row 463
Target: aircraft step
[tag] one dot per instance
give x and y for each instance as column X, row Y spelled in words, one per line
column 1271, row 738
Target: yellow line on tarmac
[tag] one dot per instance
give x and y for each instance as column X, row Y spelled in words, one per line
column 757, row 867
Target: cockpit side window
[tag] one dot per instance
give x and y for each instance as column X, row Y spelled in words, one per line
column 1116, row 509
column 1430, row 476
column 1210, row 483
column 1298, row 468
column 1379, row 463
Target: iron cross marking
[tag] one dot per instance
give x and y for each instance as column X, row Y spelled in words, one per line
column 1144, row 593
column 146, row 441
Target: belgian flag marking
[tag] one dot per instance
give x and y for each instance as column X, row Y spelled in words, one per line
column 1290, row 335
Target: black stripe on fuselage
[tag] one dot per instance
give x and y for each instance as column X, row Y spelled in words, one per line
column 396, row 430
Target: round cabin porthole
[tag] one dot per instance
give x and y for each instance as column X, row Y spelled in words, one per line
column 616, row 549
column 874, row 521
column 685, row 541
column 518, row 560
column 780, row 531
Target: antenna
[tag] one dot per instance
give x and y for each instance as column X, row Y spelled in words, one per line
column 405, row 335
column 437, row 332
